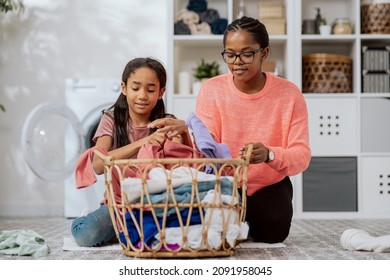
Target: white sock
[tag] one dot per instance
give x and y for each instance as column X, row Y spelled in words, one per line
column 357, row 239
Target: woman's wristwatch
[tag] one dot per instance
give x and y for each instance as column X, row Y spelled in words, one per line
column 270, row 156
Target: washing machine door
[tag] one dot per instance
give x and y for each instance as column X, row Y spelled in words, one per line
column 51, row 141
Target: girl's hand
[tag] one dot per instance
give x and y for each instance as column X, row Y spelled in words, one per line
column 170, row 126
column 157, row 138
column 259, row 153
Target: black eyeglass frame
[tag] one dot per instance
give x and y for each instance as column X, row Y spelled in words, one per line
column 239, row 56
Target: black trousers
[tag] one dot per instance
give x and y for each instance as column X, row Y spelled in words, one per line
column 269, row 212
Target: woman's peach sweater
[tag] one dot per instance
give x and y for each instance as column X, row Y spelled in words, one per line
column 276, row 116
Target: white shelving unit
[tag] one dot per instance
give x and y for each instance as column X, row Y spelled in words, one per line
column 186, row 50
column 348, row 131
column 349, row 175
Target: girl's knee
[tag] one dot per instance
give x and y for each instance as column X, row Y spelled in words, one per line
column 81, row 232
column 92, row 230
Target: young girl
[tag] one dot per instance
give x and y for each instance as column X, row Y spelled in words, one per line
column 250, row 106
column 122, row 131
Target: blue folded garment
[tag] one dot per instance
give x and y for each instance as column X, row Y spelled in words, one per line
column 184, row 192
column 218, row 26
column 197, row 5
column 205, row 142
column 149, row 225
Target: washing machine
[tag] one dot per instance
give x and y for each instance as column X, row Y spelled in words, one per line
column 55, row 135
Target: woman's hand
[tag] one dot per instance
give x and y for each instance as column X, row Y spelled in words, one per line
column 259, row 153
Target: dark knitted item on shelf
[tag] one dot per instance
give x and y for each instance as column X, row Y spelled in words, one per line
column 209, row 16
column 219, row 25
column 180, row 28
column 197, row 5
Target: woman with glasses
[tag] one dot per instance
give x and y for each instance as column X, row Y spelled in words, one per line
column 248, row 105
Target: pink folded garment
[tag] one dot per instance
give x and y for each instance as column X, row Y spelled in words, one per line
column 169, row 149
column 84, row 173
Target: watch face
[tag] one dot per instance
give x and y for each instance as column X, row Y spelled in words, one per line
column 271, row 155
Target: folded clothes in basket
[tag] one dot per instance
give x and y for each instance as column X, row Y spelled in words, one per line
column 216, row 219
column 184, row 193
column 157, row 181
column 149, row 225
column 174, row 236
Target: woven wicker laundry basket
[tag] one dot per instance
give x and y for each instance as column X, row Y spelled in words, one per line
column 134, row 217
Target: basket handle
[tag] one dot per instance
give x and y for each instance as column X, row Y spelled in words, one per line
column 246, row 156
column 104, row 158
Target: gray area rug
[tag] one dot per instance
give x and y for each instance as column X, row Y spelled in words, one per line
column 308, row 240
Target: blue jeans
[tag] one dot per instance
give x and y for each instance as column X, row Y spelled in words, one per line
column 95, row 229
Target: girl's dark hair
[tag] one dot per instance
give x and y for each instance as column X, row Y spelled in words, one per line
column 121, row 108
column 253, row 26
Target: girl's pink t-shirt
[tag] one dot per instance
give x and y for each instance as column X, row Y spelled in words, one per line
column 107, row 127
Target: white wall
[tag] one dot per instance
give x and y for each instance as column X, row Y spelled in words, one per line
column 51, row 41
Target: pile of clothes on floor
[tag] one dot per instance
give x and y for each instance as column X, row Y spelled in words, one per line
column 24, row 242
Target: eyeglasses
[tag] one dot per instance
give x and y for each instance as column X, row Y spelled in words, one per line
column 245, row 57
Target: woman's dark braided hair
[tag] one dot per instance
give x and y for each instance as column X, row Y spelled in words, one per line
column 121, row 108
column 253, row 26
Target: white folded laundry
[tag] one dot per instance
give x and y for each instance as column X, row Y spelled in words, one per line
column 188, row 17
column 358, row 239
column 157, row 181
column 174, row 235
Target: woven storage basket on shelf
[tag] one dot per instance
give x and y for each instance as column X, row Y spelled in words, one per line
column 209, row 215
column 326, row 73
column 375, row 18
